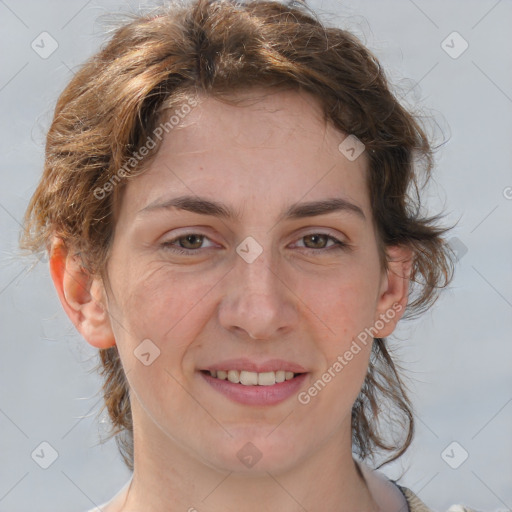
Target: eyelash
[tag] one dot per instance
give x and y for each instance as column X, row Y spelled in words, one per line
column 169, row 244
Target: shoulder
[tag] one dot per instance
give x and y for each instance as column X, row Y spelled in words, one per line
column 416, row 505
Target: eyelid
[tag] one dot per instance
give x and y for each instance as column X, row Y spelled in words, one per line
column 315, row 230
column 338, row 242
column 176, row 238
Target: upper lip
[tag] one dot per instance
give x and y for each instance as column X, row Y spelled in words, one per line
column 252, row 365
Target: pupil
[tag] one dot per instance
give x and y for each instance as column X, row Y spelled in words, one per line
column 190, row 238
column 316, row 237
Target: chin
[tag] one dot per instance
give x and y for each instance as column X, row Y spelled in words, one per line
column 255, row 453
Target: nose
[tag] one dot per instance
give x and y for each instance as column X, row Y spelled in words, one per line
column 258, row 299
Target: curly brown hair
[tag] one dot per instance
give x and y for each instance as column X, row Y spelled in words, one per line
column 216, row 47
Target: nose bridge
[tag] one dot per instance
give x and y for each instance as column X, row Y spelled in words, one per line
column 255, row 261
column 257, row 301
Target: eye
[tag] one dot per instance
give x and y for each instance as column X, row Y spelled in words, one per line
column 319, row 241
column 185, row 244
column 190, row 243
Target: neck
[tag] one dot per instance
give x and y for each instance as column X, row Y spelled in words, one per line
column 168, row 478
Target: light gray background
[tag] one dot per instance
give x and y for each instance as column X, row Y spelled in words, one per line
column 459, row 355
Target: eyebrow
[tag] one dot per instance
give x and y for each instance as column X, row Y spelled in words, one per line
column 203, row 206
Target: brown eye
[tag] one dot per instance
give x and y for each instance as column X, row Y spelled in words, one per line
column 319, row 241
column 188, row 244
column 191, row 241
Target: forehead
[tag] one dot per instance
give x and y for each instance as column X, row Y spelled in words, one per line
column 267, row 148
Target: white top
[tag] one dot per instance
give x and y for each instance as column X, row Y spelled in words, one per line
column 390, row 498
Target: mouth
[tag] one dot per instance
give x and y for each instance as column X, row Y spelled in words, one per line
column 254, row 388
column 250, row 378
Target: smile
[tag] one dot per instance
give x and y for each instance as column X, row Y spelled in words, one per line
column 248, row 378
column 251, row 388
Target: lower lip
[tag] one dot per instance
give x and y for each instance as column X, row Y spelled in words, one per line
column 256, row 395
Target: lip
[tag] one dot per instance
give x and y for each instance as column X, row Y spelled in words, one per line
column 251, row 365
column 256, row 395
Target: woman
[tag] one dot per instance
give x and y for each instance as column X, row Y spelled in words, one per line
column 227, row 208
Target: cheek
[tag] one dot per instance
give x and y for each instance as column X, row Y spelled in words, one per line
column 343, row 306
column 346, row 309
column 167, row 308
column 343, row 302
column 160, row 304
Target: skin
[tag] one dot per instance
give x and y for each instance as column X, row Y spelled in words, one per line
column 305, row 307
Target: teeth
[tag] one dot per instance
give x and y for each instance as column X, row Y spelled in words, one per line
column 252, row 378
column 266, row 378
column 234, row 376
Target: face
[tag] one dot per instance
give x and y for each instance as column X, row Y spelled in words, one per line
column 263, row 284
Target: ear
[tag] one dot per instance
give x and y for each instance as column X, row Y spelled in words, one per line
column 82, row 296
column 394, row 290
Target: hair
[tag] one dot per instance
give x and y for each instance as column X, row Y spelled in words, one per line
column 157, row 62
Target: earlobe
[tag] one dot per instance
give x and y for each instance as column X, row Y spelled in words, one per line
column 394, row 291
column 81, row 295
